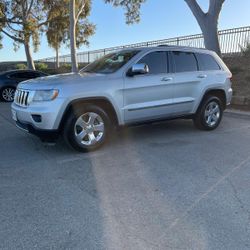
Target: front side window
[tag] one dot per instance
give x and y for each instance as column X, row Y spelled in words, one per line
column 207, row 62
column 184, row 61
column 110, row 63
column 156, row 61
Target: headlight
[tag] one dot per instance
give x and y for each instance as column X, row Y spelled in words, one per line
column 45, row 95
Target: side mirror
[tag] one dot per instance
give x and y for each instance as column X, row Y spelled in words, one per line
column 138, row 69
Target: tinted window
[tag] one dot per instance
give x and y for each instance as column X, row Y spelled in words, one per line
column 41, row 74
column 207, row 62
column 25, row 75
column 18, row 75
column 156, row 61
column 30, row 75
column 184, row 61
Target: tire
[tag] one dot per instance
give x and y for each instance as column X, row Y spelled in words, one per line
column 7, row 94
column 209, row 114
column 87, row 128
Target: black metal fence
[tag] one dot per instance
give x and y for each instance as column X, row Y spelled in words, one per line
column 231, row 41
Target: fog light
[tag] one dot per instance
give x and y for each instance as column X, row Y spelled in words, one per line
column 37, row 118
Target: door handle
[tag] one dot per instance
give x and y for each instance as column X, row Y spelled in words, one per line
column 166, row 79
column 202, row 76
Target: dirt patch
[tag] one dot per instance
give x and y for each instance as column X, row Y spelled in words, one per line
column 240, row 67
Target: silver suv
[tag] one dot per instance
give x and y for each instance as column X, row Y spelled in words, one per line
column 130, row 86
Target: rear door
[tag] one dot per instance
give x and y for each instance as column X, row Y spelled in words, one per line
column 187, row 81
column 149, row 96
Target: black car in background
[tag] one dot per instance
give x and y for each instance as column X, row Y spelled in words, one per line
column 10, row 79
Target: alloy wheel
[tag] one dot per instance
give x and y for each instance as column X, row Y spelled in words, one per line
column 89, row 129
column 8, row 94
column 212, row 114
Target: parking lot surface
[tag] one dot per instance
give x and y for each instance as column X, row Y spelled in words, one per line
column 160, row 186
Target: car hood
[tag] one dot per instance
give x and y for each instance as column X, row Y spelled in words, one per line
column 55, row 81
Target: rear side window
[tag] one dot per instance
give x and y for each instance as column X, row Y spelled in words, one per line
column 184, row 61
column 156, row 61
column 25, row 75
column 18, row 76
column 30, row 75
column 207, row 62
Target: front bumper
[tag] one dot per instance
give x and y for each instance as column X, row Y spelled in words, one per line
column 50, row 114
column 45, row 135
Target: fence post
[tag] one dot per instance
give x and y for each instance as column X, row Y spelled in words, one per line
column 178, row 41
column 88, row 58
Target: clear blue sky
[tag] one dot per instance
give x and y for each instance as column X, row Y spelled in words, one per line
column 160, row 19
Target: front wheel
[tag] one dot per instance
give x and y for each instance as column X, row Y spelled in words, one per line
column 87, row 128
column 209, row 115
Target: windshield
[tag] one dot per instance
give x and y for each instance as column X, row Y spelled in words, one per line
column 110, row 63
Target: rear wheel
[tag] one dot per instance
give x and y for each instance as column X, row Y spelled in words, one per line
column 87, row 128
column 209, row 115
column 7, row 94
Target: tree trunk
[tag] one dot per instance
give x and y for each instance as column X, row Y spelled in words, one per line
column 210, row 32
column 208, row 22
column 30, row 62
column 57, row 65
column 73, row 36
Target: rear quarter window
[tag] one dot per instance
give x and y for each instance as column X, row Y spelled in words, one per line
column 207, row 62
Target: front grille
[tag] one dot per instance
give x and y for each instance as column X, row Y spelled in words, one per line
column 22, row 97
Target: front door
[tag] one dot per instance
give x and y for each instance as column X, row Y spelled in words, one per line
column 149, row 96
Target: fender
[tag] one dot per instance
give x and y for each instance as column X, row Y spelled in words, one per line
column 94, row 100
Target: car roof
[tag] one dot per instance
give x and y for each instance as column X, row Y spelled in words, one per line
column 170, row 47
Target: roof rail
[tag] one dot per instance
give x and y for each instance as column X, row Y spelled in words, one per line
column 163, row 45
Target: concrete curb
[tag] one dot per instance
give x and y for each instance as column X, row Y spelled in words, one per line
column 236, row 112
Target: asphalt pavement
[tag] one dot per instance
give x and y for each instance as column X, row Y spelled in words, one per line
column 159, row 186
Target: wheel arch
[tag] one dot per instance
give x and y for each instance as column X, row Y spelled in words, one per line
column 220, row 93
column 102, row 102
